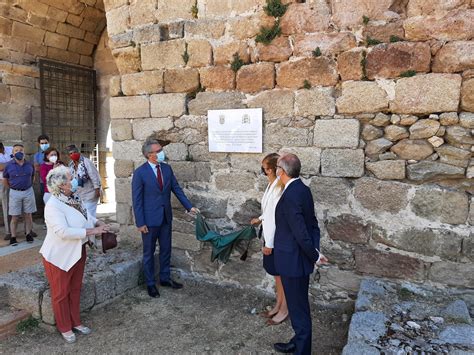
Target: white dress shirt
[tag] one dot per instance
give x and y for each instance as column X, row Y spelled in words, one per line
column 269, row 201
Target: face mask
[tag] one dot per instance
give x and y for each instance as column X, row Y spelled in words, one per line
column 160, row 157
column 74, row 185
column 75, row 156
column 53, row 158
column 44, row 146
column 19, row 155
column 263, row 171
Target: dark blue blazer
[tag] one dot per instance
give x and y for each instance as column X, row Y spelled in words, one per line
column 297, row 232
column 151, row 206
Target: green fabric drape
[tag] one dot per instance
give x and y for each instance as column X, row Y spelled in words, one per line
column 222, row 245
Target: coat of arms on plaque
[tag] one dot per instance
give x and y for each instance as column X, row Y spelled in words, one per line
column 221, row 119
column 246, row 119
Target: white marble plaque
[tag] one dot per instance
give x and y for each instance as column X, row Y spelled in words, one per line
column 235, row 131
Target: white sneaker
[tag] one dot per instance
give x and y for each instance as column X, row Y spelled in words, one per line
column 70, row 338
column 81, row 329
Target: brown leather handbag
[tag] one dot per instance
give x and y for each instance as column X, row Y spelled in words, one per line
column 109, row 241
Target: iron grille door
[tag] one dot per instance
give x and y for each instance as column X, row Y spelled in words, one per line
column 68, row 106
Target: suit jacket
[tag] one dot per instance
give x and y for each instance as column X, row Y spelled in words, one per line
column 66, row 232
column 297, row 232
column 151, row 206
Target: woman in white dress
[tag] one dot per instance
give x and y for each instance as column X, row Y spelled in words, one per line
column 269, row 201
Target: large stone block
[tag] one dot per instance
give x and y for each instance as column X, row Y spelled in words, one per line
column 144, row 128
column 377, row 146
column 224, row 53
column 423, row 94
column 172, row 10
column 275, row 103
column 467, row 95
column 328, row 43
column 127, row 60
column 56, row 40
column 305, row 18
column 391, row 60
column 25, row 96
column 186, row 241
column 213, row 101
column 350, row 64
column 123, row 168
column 235, row 181
column 212, row 28
column 149, row 82
column 124, row 214
column 423, row 7
column 165, row 105
column 453, row 156
column 142, row 12
column 387, row 169
column 187, row 171
column 121, row 130
column 349, row 228
column 424, row 129
column 408, row 149
column 310, row 158
column 244, row 27
column 211, row 206
column 444, row 206
column 129, row 107
column 127, row 150
column 452, row 274
column 200, row 53
column 279, row 50
column 318, row 101
column 389, row 264
column 454, row 57
column 316, row 71
column 384, row 31
column 381, row 196
column 10, row 133
column 118, row 20
column 454, row 25
column 163, row 55
column 256, row 77
column 457, row 135
column 336, row 133
column 123, row 190
column 275, row 135
column 349, row 13
column 104, row 286
column 181, row 80
column 342, row 162
column 330, row 191
column 127, row 275
column 28, row 32
column 427, row 170
column 395, row 133
column 366, row 326
column 361, row 97
column 176, row 151
column 218, row 78
column 219, row 8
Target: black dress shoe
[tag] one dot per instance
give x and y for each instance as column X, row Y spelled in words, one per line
column 173, row 284
column 153, row 291
column 13, row 241
column 29, row 238
column 286, row 348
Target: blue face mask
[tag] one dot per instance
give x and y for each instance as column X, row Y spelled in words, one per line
column 160, row 157
column 74, row 185
column 19, row 155
column 44, row 146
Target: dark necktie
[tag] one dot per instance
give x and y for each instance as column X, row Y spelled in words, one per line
column 159, row 177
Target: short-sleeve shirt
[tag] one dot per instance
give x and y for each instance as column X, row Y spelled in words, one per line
column 20, row 177
column 5, row 158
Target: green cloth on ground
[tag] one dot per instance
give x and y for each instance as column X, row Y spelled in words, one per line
column 222, row 245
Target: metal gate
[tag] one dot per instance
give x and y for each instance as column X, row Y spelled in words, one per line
column 68, row 107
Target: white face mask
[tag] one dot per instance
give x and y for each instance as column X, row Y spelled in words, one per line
column 53, row 158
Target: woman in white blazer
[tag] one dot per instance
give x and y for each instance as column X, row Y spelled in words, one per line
column 270, row 198
column 69, row 229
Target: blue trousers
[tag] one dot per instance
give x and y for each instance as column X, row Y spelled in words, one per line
column 163, row 235
column 296, row 293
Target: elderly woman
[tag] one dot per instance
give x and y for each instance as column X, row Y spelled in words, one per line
column 69, row 229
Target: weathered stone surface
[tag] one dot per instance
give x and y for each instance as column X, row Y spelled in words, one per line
column 187, row 171
column 423, row 7
column 336, row 133
column 390, row 60
column 377, row 146
column 395, row 133
column 145, row 128
column 381, row 196
column 25, row 96
column 349, row 64
column 123, row 168
column 361, row 97
column 212, row 28
column 387, row 169
column 162, row 55
column 123, row 192
column 150, row 82
column 454, row 25
column 172, row 10
column 359, row 347
column 165, row 105
column 466, row 120
column 452, row 274
column 241, row 181
column 244, row 27
column 200, row 53
column 384, row 31
column 436, row 141
column 427, row 93
column 278, row 50
column 441, row 205
column 248, row 210
column 278, row 136
column 121, row 130
column 454, row 156
column 426, row 170
column 218, row 78
column 348, row 228
column 256, row 77
column 212, row 101
column 381, row 120
column 117, row 20
column 370, row 132
column 328, row 43
column 126, row 275
column 342, row 162
column 449, row 118
column 10, row 133
column 459, row 135
column 388, row 264
column 186, row 241
column 211, row 206
column 317, row 71
column 408, row 120
column 124, row 213
column 176, row 151
column 129, row 107
column 349, row 13
column 318, row 101
column 457, row 312
column 104, row 286
column 224, row 54
column 424, row 129
column 275, row 103
column 127, row 150
column 330, row 191
column 367, row 326
column 467, row 95
column 310, row 158
column 181, row 80
column 304, row 18
column 454, row 57
column 127, row 60
column 458, row 334
column 412, row 149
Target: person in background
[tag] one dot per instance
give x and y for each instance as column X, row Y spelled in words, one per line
column 69, row 228
column 5, row 157
column 87, row 177
column 270, row 198
column 19, row 175
column 51, row 161
column 38, row 158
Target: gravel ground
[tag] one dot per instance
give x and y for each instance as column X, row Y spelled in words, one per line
column 200, row 318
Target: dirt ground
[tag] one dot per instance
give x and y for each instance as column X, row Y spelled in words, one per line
column 200, row 318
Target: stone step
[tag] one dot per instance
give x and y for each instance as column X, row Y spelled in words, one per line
column 9, row 319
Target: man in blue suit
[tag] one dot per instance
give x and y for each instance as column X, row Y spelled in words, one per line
column 152, row 185
column 296, row 251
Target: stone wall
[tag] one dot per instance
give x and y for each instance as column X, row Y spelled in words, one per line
column 376, row 98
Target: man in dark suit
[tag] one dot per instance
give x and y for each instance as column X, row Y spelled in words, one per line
column 296, row 251
column 152, row 185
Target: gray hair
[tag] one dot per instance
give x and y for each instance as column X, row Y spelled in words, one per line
column 291, row 164
column 57, row 177
column 146, row 147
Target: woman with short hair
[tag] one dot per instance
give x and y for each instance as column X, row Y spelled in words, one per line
column 69, row 229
